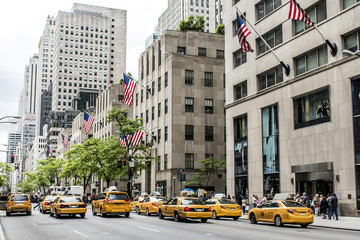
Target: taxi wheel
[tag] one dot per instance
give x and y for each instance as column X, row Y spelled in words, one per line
column 127, row 214
column 235, row 218
column 214, row 215
column 40, row 210
column 102, row 214
column 177, row 217
column 8, row 213
column 304, row 225
column 161, row 216
column 93, row 211
column 51, row 214
column 253, row 218
column 43, row 211
column 28, row 212
column 204, row 220
column 147, row 212
column 278, row 221
column 82, row 215
column 57, row 215
column 137, row 210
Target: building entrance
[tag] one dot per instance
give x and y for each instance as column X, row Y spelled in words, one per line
column 314, row 187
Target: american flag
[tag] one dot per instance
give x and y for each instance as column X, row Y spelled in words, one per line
column 243, row 32
column 65, row 140
column 132, row 139
column 129, row 89
column 297, row 13
column 136, row 138
column 124, row 140
column 88, row 121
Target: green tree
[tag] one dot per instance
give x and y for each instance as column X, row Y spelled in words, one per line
column 50, row 167
column 220, row 29
column 192, row 24
column 204, row 173
column 5, row 168
column 35, row 181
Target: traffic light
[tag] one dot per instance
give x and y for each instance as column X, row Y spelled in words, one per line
column 119, row 164
column 12, row 159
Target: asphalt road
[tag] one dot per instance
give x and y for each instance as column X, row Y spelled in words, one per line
column 42, row 226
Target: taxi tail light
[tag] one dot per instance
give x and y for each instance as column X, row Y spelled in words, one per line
column 209, row 209
column 84, row 205
column 223, row 207
column 62, row 206
column 291, row 210
column 30, row 203
column 108, row 200
column 46, row 203
column 127, row 200
column 9, row 204
column 154, row 204
column 186, row 209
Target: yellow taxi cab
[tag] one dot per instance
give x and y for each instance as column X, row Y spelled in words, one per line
column 67, row 205
column 224, row 208
column 135, row 202
column 18, row 203
column 185, row 207
column 150, row 205
column 45, row 203
column 281, row 212
column 112, row 203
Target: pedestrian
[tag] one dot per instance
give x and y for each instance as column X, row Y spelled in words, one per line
column 233, row 199
column 329, row 204
column 228, row 197
column 243, row 205
column 263, row 200
column 315, row 204
column 255, row 201
column 334, row 207
column 323, row 207
column 37, row 200
column 303, row 198
column 239, row 200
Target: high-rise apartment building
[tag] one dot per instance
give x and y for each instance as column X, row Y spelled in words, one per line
column 13, row 140
column 182, row 9
column 30, row 85
column 180, row 97
column 298, row 132
column 89, row 51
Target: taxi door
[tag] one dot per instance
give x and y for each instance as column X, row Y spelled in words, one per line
column 165, row 208
column 271, row 211
column 263, row 211
column 143, row 204
column 99, row 201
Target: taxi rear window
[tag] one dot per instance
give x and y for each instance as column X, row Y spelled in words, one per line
column 20, row 198
column 118, row 196
column 158, row 199
column 70, row 199
column 191, row 202
column 50, row 198
column 292, row 204
column 225, row 201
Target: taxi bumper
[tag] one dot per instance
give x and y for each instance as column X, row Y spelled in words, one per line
column 229, row 213
column 71, row 210
column 291, row 218
column 195, row 214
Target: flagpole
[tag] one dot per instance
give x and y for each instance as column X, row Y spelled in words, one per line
column 285, row 66
column 332, row 46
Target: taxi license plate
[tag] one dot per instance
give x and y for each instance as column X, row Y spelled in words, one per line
column 199, row 209
column 302, row 213
column 73, row 206
column 232, row 209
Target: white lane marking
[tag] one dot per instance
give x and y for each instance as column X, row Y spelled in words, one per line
column 149, row 229
column 208, row 234
column 81, row 234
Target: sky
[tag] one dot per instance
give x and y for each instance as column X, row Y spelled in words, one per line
column 22, row 24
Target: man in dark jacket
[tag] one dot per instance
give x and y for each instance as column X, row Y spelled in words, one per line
column 334, row 207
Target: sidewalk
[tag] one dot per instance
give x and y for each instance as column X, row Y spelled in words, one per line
column 344, row 223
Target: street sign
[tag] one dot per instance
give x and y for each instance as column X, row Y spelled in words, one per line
column 131, row 164
column 181, row 170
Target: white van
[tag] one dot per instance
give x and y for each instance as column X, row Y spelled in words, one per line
column 56, row 190
column 75, row 190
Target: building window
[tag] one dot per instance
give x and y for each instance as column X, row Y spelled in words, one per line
column 202, row 52
column 317, row 14
column 166, row 79
column 241, row 146
column 349, row 3
column 159, row 110
column 209, row 106
column 165, row 161
column 166, row 106
column 189, row 104
column 137, row 99
column 220, row 54
column 159, row 135
column 189, row 132
column 181, row 50
column 152, row 113
column 159, row 84
column 239, row 58
column 240, row 90
column 265, row 7
column 189, row 160
column 351, row 41
column 270, row 77
column 153, row 88
column 166, row 134
column 141, row 96
column 311, row 60
column 355, row 89
column 270, row 149
column 208, row 79
column 312, row 108
column 147, row 116
column 189, row 77
column 209, row 133
column 159, row 164
column 273, row 38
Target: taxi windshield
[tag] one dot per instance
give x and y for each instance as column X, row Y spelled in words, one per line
column 158, row 199
column 19, row 198
column 292, row 204
column 225, row 201
column 189, row 201
column 50, row 198
column 117, row 196
column 70, row 199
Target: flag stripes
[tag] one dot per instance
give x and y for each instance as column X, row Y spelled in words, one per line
column 88, row 121
column 243, row 32
column 129, row 88
column 297, row 13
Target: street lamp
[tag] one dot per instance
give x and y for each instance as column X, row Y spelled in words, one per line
column 16, row 117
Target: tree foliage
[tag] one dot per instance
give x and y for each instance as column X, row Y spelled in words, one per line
column 192, row 24
column 220, row 29
column 204, row 173
column 5, row 168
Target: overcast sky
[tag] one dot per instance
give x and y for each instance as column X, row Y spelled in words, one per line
column 22, row 23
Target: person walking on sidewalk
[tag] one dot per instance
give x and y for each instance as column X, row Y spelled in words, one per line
column 334, row 206
column 323, row 206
